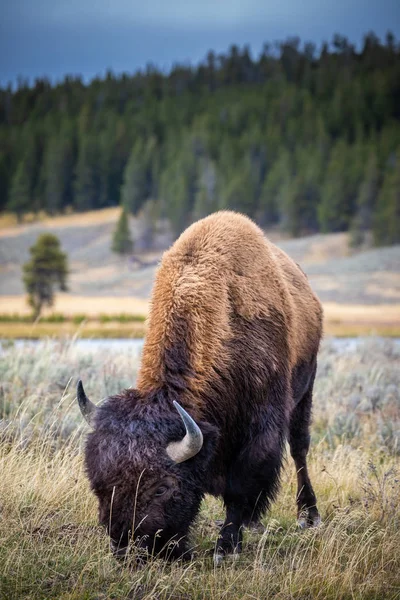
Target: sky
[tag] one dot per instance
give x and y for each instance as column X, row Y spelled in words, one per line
column 53, row 38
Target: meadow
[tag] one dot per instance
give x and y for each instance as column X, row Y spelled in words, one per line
column 359, row 288
column 52, row 547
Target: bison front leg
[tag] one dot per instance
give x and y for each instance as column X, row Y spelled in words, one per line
column 253, row 483
column 230, row 537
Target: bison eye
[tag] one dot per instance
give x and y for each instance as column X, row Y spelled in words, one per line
column 161, row 490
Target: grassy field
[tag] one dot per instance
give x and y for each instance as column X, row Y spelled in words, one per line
column 360, row 290
column 52, row 547
column 101, row 318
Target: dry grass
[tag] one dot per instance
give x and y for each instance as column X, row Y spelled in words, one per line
column 360, row 313
column 9, row 220
column 349, row 330
column 9, row 226
column 70, row 305
column 51, row 546
column 340, row 319
column 353, row 320
column 316, row 249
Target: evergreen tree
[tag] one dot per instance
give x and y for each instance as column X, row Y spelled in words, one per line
column 179, row 187
column 205, row 201
column 366, row 201
column 299, row 203
column 22, row 192
column 114, row 147
column 20, row 199
column 386, row 223
column 46, row 269
column 135, row 183
column 339, row 191
column 58, row 174
column 5, row 172
column 87, row 176
column 239, row 191
column 122, row 242
column 147, row 224
column 274, row 189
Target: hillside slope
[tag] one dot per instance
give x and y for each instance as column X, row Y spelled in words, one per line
column 336, row 274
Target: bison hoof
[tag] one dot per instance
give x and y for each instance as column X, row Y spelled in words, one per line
column 220, row 557
column 306, row 522
column 256, row 527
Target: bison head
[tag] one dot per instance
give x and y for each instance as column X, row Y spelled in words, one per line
column 146, row 462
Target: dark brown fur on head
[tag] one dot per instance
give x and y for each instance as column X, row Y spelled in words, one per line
column 141, row 492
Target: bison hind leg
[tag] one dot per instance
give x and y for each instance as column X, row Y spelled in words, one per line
column 299, row 440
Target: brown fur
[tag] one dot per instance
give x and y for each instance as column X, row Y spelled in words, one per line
column 221, row 268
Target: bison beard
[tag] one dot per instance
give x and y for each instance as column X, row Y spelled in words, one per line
column 244, row 369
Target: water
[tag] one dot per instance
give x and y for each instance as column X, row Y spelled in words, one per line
column 132, row 345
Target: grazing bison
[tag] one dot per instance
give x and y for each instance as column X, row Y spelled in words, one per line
column 226, row 377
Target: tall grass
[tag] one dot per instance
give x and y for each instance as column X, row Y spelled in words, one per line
column 52, row 547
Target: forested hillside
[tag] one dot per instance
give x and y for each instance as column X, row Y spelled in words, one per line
column 301, row 138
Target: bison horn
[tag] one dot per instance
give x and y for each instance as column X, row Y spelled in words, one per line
column 88, row 409
column 191, row 443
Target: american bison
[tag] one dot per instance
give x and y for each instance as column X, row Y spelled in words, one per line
column 226, row 377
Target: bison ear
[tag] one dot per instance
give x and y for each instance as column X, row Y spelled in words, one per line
column 88, row 409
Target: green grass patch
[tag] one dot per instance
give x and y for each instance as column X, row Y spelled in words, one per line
column 83, row 329
column 122, row 318
column 79, row 318
column 124, row 325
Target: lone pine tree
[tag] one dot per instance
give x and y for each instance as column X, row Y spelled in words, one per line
column 46, row 270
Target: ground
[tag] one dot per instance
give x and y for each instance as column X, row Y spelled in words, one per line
column 52, row 547
column 360, row 290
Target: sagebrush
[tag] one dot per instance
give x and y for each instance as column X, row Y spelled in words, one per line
column 52, row 547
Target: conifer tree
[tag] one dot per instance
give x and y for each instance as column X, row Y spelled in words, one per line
column 366, row 201
column 273, row 190
column 20, row 199
column 5, row 178
column 122, row 242
column 22, row 191
column 87, row 176
column 135, row 187
column 386, row 224
column 339, row 191
column 178, row 188
column 205, row 201
column 147, row 221
column 47, row 269
column 58, row 174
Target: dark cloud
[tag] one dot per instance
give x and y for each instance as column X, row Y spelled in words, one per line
column 53, row 38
